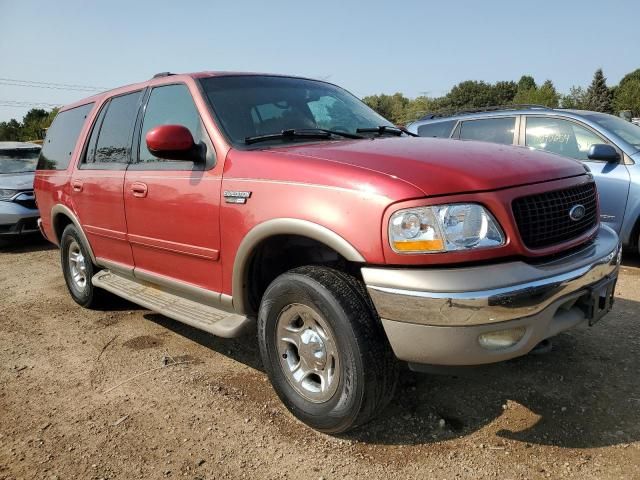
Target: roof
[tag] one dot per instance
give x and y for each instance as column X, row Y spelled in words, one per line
column 161, row 78
column 19, row 146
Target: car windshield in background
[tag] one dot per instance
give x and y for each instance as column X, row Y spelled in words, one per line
column 629, row 132
column 253, row 105
column 19, row 160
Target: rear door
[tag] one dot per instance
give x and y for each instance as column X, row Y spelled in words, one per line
column 97, row 183
column 172, row 207
column 572, row 139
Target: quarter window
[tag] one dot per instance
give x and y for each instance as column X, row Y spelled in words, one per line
column 560, row 136
column 62, row 137
column 494, row 130
column 171, row 105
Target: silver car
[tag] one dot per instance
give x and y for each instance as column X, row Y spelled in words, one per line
column 18, row 211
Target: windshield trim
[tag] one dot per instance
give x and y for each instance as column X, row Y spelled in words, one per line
column 240, row 145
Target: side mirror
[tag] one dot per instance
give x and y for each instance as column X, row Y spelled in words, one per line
column 602, row 151
column 173, row 142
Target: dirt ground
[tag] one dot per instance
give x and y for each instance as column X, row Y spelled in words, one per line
column 70, row 407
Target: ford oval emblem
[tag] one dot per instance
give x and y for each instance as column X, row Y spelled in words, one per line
column 577, row 212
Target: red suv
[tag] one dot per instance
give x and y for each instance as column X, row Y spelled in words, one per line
column 228, row 200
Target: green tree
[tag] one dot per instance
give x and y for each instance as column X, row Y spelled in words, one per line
column 504, row 92
column 576, row 98
column 627, row 96
column 10, row 131
column 546, row 95
column 526, row 82
column 392, row 107
column 598, row 96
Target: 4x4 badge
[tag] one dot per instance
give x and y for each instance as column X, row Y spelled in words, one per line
column 236, row 196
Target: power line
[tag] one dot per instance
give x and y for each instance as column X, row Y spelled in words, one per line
column 52, row 85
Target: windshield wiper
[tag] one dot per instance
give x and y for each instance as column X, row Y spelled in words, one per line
column 382, row 129
column 332, row 132
column 308, row 133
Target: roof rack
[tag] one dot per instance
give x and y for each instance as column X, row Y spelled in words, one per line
column 493, row 108
column 163, row 74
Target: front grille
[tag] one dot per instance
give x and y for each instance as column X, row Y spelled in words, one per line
column 26, row 199
column 543, row 219
column 27, row 203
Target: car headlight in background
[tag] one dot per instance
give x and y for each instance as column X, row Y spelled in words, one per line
column 6, row 194
column 443, row 228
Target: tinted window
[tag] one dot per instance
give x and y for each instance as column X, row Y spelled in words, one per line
column 438, row 129
column 257, row 105
column 560, row 136
column 494, row 130
column 170, row 105
column 62, row 137
column 110, row 141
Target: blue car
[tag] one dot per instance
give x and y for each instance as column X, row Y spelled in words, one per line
column 608, row 145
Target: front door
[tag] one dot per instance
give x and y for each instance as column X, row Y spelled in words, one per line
column 570, row 139
column 172, row 207
column 97, row 184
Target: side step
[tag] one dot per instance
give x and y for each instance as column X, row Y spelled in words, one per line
column 198, row 315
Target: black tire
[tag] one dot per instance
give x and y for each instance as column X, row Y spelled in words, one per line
column 87, row 296
column 368, row 370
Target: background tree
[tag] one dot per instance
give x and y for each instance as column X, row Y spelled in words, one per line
column 526, row 82
column 31, row 128
column 576, row 98
column 546, row 95
column 627, row 97
column 598, row 96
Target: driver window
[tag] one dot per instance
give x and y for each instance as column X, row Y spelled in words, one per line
column 561, row 137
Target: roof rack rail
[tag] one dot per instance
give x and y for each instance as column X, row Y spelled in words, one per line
column 492, row 108
column 163, row 74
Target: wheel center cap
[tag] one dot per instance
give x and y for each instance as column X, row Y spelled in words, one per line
column 313, row 349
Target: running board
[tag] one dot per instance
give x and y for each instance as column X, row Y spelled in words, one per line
column 198, row 315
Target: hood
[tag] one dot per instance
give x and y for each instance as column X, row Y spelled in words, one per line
column 442, row 166
column 17, row 181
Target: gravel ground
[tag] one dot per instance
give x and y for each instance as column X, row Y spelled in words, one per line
column 71, row 405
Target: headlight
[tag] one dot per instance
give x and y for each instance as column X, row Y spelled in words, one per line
column 6, row 194
column 443, row 228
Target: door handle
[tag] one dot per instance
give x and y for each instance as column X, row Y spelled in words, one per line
column 139, row 189
column 76, row 185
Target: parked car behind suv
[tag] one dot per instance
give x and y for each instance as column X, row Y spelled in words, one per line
column 608, row 145
column 229, row 201
column 18, row 211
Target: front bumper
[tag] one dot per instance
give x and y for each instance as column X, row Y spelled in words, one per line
column 16, row 219
column 436, row 316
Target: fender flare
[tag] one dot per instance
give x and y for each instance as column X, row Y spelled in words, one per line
column 60, row 209
column 283, row 226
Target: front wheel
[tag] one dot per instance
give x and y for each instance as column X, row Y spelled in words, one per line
column 324, row 349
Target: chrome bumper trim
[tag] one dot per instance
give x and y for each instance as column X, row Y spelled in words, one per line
column 498, row 303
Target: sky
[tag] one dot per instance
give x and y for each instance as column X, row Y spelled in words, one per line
column 417, row 47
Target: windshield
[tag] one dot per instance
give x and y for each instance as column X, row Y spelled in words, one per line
column 251, row 105
column 629, row 132
column 19, row 160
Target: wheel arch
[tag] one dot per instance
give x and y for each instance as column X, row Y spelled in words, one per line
column 61, row 216
column 278, row 227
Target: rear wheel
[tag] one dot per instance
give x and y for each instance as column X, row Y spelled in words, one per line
column 324, row 349
column 78, row 268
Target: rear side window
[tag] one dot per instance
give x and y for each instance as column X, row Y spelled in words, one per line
column 494, row 130
column 438, row 129
column 110, row 141
column 62, row 137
